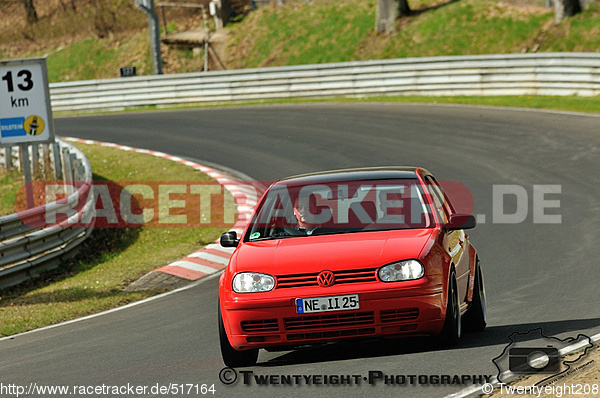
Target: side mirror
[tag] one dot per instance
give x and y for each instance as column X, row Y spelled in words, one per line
column 229, row 239
column 461, row 221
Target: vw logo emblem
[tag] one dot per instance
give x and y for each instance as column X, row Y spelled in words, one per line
column 325, row 279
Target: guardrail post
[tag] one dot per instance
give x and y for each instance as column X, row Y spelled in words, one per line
column 35, row 160
column 74, row 166
column 77, row 167
column 20, row 155
column 73, row 161
column 67, row 169
column 46, row 160
column 57, row 163
column 8, row 163
column 26, row 167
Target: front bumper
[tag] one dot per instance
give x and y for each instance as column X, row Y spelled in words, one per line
column 385, row 312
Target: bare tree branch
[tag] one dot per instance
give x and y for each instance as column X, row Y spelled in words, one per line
column 30, row 11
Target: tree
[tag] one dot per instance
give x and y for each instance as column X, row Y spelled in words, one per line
column 30, row 11
column 566, row 8
column 387, row 13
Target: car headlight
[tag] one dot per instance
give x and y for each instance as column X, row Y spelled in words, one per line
column 402, row 271
column 251, row 282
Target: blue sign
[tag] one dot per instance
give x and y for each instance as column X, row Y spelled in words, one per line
column 12, row 127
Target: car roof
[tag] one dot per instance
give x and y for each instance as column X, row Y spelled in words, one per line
column 359, row 174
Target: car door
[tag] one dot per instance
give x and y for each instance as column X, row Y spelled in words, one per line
column 454, row 241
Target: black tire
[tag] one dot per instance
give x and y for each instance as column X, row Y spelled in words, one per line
column 452, row 329
column 475, row 320
column 232, row 357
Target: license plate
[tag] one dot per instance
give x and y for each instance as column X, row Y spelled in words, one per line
column 327, row 304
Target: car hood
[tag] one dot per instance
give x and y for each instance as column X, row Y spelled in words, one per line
column 330, row 252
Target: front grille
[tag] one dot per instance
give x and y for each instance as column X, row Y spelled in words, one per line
column 310, row 279
column 329, row 321
column 263, row 325
column 399, row 315
column 331, row 334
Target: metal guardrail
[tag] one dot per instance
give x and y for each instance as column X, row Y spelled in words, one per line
column 509, row 74
column 26, row 250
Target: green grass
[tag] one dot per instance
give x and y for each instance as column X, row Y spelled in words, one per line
column 461, row 28
column 97, row 45
column 115, row 257
column 72, row 62
column 567, row 103
column 10, row 183
column 325, row 32
column 581, row 33
column 329, row 31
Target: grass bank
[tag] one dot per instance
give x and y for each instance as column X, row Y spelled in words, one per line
column 568, row 103
column 114, row 257
column 334, row 31
column 300, row 32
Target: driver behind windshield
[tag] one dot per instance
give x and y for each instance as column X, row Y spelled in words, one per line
column 301, row 213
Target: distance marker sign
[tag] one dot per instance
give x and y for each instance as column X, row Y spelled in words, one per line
column 25, row 113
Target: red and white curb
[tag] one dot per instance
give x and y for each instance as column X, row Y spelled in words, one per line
column 213, row 257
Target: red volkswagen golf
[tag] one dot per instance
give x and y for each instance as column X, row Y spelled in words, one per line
column 361, row 253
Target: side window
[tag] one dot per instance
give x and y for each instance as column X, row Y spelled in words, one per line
column 438, row 199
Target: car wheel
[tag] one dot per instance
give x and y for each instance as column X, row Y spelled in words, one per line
column 232, row 357
column 476, row 317
column 452, row 329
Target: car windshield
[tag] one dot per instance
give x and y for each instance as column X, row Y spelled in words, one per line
column 289, row 210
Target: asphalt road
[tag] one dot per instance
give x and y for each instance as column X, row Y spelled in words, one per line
column 537, row 275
